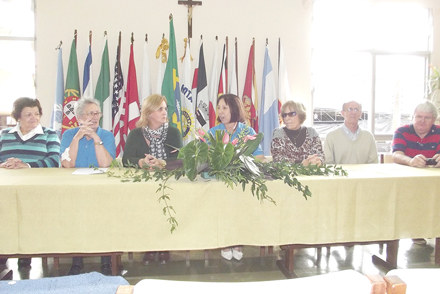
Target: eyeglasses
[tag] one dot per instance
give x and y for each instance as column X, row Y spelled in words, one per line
column 420, row 117
column 92, row 114
column 289, row 114
column 351, row 109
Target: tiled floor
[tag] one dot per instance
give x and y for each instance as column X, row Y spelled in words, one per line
column 193, row 267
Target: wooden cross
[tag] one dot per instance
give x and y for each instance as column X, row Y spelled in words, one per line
column 190, row 4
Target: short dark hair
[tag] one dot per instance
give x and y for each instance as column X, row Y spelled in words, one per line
column 235, row 106
column 23, row 102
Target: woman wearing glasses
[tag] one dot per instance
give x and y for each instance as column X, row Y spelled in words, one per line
column 88, row 144
column 84, row 146
column 293, row 142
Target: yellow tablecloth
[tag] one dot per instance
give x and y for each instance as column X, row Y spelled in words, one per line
column 53, row 211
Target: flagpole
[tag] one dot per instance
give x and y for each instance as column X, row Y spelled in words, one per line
column 226, row 78
column 236, row 63
column 90, row 38
column 74, row 36
column 59, row 46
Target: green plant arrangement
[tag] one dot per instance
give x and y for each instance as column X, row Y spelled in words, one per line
column 214, row 156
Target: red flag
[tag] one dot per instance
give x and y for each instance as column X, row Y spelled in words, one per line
column 130, row 114
column 250, row 99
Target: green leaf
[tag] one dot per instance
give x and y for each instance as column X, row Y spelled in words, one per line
column 252, row 145
column 193, row 155
column 222, row 155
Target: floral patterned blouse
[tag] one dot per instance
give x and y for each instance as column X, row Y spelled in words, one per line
column 283, row 149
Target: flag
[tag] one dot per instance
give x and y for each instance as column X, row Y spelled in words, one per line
column 118, row 101
column 200, row 92
column 188, row 107
column 87, row 76
column 72, row 91
column 130, row 113
column 283, row 81
column 250, row 99
column 222, row 84
column 57, row 113
column 146, row 79
column 102, row 93
column 213, row 89
column 233, row 78
column 161, row 54
column 269, row 105
column 170, row 85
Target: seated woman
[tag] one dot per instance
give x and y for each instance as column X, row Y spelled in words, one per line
column 85, row 146
column 28, row 144
column 295, row 143
column 231, row 116
column 151, row 145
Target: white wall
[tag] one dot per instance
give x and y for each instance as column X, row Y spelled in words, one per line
column 245, row 19
column 289, row 20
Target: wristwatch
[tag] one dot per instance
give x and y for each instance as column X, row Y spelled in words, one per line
column 99, row 143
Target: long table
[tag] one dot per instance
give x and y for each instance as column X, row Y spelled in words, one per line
column 51, row 210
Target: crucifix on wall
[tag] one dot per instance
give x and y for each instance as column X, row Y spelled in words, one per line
column 190, row 4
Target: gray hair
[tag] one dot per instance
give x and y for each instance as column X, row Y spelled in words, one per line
column 83, row 102
column 360, row 105
column 427, row 106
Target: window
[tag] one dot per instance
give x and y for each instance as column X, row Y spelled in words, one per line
column 17, row 54
column 372, row 52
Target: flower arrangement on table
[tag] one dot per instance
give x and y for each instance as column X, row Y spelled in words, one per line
column 214, row 156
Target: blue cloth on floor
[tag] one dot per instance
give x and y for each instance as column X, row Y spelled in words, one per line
column 94, row 282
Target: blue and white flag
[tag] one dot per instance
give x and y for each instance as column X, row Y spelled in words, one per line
column 269, row 105
column 87, row 76
column 56, row 121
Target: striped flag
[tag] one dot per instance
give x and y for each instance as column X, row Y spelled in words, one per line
column 200, row 92
column 130, row 113
column 57, row 113
column 170, row 85
column 213, row 88
column 87, row 75
column 72, row 91
column 118, row 100
column 188, row 107
column 102, row 93
column 250, row 99
column 269, row 104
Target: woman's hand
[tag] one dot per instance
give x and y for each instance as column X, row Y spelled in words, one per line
column 14, row 163
column 151, row 162
column 312, row 159
column 85, row 130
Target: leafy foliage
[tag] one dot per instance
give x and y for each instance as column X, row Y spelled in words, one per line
column 229, row 162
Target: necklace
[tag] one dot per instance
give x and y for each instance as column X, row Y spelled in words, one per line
column 291, row 135
column 233, row 130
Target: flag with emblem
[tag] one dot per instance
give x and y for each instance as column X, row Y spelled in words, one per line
column 200, row 92
column 186, row 97
column 170, row 85
column 72, row 91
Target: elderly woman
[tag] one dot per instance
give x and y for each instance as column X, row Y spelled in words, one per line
column 84, row 146
column 231, row 116
column 151, row 145
column 295, row 143
column 28, row 144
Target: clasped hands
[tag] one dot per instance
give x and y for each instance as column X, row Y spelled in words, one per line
column 13, row 163
column 312, row 159
column 86, row 130
column 151, row 162
column 420, row 161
